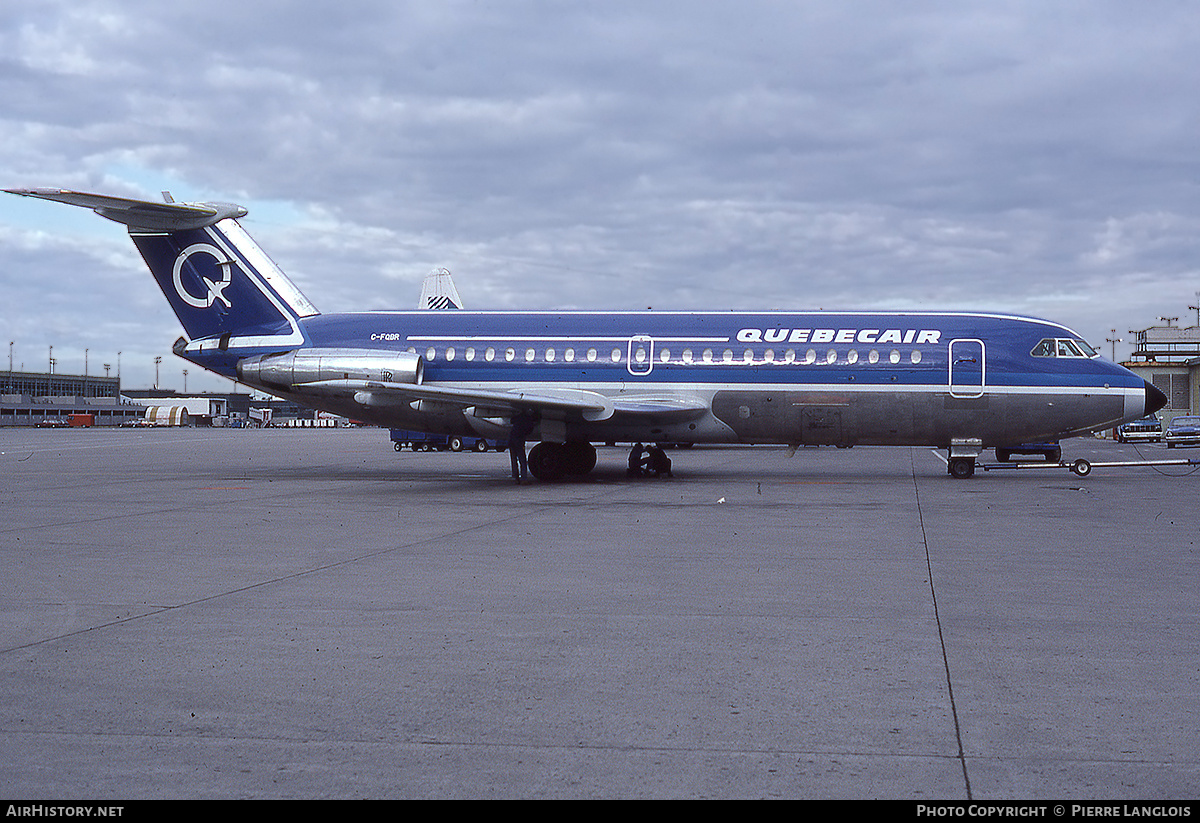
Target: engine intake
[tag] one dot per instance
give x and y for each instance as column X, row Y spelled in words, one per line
column 294, row 368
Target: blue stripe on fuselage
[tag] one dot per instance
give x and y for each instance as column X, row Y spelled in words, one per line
column 1008, row 342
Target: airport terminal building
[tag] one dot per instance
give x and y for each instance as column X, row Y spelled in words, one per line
column 36, row 398
column 62, row 400
column 1169, row 358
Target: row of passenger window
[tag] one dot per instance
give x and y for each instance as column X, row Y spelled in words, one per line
column 664, row 355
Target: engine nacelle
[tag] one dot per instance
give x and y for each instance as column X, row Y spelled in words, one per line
column 293, row 368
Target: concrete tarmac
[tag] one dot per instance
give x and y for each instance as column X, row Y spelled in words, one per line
column 189, row 613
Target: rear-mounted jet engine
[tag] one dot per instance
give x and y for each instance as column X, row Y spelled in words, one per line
column 297, row 368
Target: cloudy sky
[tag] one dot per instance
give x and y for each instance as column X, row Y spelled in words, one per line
column 1031, row 157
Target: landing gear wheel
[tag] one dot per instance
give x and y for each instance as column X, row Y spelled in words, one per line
column 547, row 461
column 962, row 467
column 579, row 458
column 1081, row 467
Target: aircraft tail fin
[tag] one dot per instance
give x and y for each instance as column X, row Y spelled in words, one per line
column 438, row 292
column 216, row 278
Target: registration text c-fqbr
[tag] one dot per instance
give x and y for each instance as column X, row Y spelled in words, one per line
column 920, row 337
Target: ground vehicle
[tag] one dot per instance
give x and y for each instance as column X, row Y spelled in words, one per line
column 1051, row 451
column 1148, row 428
column 1183, row 431
column 420, row 441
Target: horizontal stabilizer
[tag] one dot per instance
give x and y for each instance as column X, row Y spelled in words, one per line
column 145, row 215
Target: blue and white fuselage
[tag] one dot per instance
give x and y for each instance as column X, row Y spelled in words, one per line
column 959, row 380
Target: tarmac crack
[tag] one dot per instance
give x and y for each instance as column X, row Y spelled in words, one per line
column 962, row 759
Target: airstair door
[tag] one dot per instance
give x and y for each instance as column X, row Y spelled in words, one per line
column 968, row 368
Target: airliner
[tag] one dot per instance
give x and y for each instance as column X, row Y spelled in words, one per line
column 958, row 381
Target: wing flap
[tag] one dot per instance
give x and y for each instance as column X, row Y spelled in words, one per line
column 591, row 406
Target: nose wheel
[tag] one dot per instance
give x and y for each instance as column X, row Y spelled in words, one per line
column 961, row 467
column 960, row 463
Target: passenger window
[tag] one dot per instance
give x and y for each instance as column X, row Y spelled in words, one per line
column 569, row 355
column 550, row 355
column 450, row 353
column 490, row 354
column 470, row 355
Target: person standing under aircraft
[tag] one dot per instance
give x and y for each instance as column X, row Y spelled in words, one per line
column 522, row 425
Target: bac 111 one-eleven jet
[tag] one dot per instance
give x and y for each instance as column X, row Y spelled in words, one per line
column 960, row 381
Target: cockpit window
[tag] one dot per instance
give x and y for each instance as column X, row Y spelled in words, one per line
column 1043, row 349
column 1062, row 347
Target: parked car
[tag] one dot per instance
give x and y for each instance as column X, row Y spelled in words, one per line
column 1183, row 431
column 1148, row 428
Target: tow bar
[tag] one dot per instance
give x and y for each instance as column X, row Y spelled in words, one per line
column 1083, row 467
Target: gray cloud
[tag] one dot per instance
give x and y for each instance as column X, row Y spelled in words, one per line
column 1030, row 157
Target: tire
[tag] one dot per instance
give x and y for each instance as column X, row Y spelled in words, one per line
column 962, row 467
column 397, row 445
column 547, row 461
column 579, row 458
column 480, row 445
column 456, row 444
column 1081, row 467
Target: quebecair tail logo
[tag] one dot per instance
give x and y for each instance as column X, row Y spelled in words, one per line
column 212, row 288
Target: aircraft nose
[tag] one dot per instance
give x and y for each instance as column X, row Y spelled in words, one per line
column 1155, row 399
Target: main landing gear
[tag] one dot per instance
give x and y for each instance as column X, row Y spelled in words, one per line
column 552, row 461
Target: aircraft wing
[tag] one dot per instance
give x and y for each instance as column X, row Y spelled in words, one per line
column 589, row 405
